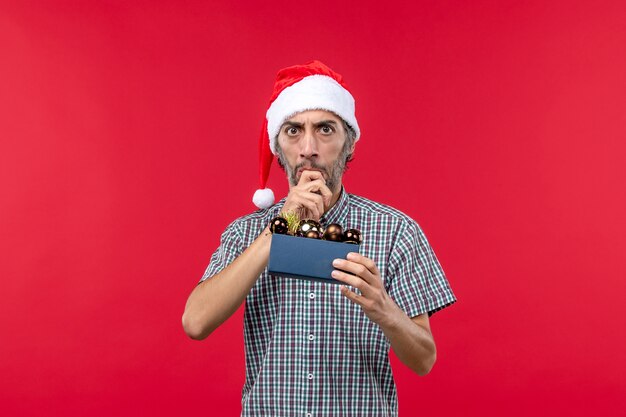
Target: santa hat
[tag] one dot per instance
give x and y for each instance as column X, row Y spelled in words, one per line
column 312, row 86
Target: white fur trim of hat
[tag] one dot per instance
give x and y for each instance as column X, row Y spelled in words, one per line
column 315, row 92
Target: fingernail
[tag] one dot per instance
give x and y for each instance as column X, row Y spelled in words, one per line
column 337, row 262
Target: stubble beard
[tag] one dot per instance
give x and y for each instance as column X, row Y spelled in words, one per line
column 332, row 174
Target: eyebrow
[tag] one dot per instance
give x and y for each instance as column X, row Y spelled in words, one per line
column 325, row 122
column 317, row 124
column 291, row 124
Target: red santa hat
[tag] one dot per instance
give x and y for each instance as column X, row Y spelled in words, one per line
column 312, row 86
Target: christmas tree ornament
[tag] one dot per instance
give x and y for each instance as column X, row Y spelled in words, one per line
column 309, row 228
column 313, row 234
column 279, row 225
column 352, row 236
column 333, row 232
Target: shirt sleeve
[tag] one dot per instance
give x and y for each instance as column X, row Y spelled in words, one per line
column 417, row 281
column 230, row 248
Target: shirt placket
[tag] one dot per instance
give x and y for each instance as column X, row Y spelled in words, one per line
column 311, row 334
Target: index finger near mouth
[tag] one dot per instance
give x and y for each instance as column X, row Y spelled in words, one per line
column 314, row 185
column 310, row 176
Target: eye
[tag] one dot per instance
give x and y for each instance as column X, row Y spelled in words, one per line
column 326, row 129
column 291, row 131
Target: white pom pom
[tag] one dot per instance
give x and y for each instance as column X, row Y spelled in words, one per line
column 263, row 198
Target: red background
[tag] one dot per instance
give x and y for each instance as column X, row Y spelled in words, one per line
column 128, row 142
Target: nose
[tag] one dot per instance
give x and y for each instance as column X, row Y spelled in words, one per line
column 308, row 146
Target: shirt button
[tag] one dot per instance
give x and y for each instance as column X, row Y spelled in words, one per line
column 312, row 295
column 309, row 415
column 311, row 337
column 310, row 376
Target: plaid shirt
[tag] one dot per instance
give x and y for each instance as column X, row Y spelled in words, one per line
column 309, row 350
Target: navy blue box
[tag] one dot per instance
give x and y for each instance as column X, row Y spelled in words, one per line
column 310, row 259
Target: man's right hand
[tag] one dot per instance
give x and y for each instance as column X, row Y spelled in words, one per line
column 310, row 198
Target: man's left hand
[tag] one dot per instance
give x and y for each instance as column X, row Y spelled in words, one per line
column 376, row 303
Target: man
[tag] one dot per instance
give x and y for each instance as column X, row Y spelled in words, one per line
column 316, row 349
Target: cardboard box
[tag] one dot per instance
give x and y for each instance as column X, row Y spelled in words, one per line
column 303, row 258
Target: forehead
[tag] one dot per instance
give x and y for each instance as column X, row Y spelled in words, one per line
column 314, row 116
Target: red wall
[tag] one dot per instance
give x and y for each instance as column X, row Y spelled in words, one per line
column 128, row 142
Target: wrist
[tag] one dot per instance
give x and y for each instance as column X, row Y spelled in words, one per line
column 266, row 233
column 392, row 319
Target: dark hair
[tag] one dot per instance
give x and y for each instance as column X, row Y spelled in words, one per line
column 349, row 143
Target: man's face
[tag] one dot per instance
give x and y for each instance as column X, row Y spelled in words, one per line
column 313, row 140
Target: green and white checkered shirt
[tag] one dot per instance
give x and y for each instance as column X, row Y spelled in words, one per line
column 309, row 350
